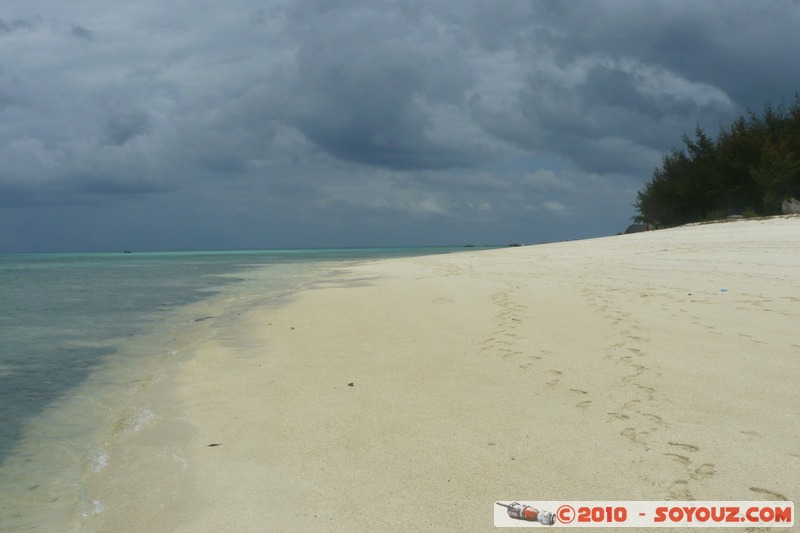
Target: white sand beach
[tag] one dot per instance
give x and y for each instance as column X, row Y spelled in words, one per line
column 411, row 394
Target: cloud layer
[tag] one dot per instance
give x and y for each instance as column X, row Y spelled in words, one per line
column 319, row 123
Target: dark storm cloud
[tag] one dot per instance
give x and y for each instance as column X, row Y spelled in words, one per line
column 82, row 33
column 642, row 72
column 457, row 111
column 366, row 81
column 7, row 26
column 124, row 126
column 738, row 47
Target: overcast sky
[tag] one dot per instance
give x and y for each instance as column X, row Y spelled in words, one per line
column 179, row 125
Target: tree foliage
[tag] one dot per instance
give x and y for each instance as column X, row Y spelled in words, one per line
column 752, row 166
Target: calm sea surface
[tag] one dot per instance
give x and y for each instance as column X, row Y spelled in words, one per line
column 67, row 318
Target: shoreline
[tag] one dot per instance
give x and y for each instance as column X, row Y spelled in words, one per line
column 70, row 440
column 641, row 367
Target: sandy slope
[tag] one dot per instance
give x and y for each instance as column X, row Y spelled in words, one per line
column 411, row 394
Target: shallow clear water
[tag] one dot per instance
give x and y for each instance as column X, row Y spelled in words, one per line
column 72, row 326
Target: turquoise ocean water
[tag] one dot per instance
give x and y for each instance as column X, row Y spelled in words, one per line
column 76, row 332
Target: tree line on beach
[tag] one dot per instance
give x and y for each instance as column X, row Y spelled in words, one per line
column 749, row 169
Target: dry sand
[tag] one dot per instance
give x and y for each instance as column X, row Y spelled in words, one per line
column 409, row 395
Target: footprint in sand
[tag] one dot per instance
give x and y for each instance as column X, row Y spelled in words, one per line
column 636, row 437
column 704, row 471
column 682, row 459
column 655, row 418
column 679, row 490
column 650, row 391
column 687, row 447
column 532, row 358
column 777, row 496
column 585, row 403
column 630, row 404
column 638, row 371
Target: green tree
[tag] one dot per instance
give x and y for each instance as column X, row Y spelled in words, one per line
column 752, row 166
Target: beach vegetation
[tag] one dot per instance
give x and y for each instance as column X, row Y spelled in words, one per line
column 751, row 167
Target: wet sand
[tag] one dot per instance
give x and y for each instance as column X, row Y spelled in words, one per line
column 411, row 394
